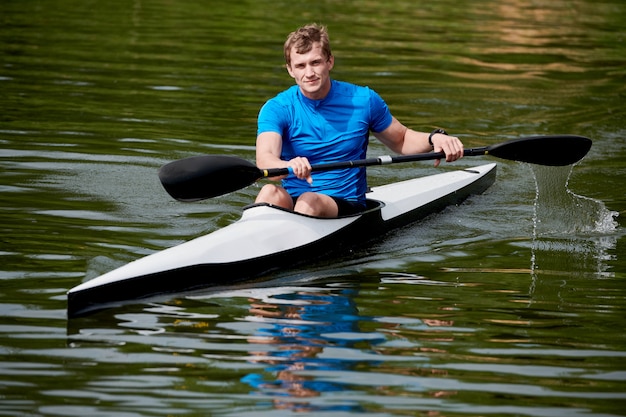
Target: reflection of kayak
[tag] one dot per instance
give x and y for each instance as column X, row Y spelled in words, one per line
column 267, row 238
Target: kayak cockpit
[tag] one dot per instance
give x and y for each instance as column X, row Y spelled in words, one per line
column 370, row 205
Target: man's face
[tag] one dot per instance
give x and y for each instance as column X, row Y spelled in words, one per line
column 311, row 72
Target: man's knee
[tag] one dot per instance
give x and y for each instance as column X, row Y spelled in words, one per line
column 276, row 195
column 315, row 204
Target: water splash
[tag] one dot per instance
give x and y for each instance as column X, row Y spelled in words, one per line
column 558, row 211
column 570, row 232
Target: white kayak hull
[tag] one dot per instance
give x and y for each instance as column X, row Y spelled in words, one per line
column 267, row 238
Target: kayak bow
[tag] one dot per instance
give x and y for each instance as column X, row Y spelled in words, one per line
column 268, row 238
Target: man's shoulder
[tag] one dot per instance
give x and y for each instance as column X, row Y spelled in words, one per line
column 286, row 96
column 280, row 102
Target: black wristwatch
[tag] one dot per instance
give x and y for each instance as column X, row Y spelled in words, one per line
column 434, row 132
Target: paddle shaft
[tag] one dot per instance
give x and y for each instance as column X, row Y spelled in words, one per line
column 381, row 160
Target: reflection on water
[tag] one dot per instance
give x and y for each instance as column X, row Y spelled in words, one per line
column 299, row 328
column 438, row 346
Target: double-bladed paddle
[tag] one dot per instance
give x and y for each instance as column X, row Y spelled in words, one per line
column 201, row 177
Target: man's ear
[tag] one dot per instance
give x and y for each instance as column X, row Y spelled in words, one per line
column 331, row 62
column 288, row 67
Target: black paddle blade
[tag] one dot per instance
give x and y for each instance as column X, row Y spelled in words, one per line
column 200, row 177
column 557, row 150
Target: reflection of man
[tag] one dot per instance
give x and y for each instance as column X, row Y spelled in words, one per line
column 297, row 328
column 300, row 326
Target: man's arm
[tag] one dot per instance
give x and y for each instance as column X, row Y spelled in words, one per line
column 403, row 140
column 268, row 149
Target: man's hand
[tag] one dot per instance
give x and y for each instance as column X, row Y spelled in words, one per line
column 301, row 168
column 450, row 145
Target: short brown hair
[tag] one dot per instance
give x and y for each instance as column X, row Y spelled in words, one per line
column 304, row 38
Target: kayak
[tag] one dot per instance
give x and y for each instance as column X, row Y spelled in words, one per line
column 267, row 238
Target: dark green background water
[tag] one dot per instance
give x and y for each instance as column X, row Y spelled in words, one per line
column 511, row 304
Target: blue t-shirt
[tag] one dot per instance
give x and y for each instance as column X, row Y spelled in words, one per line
column 333, row 129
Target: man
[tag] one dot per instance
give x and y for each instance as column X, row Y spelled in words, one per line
column 322, row 120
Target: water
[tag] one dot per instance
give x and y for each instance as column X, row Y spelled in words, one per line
column 511, row 304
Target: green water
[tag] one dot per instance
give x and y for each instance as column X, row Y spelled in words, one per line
column 512, row 304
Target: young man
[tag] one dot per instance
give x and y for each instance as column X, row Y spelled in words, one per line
column 321, row 120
